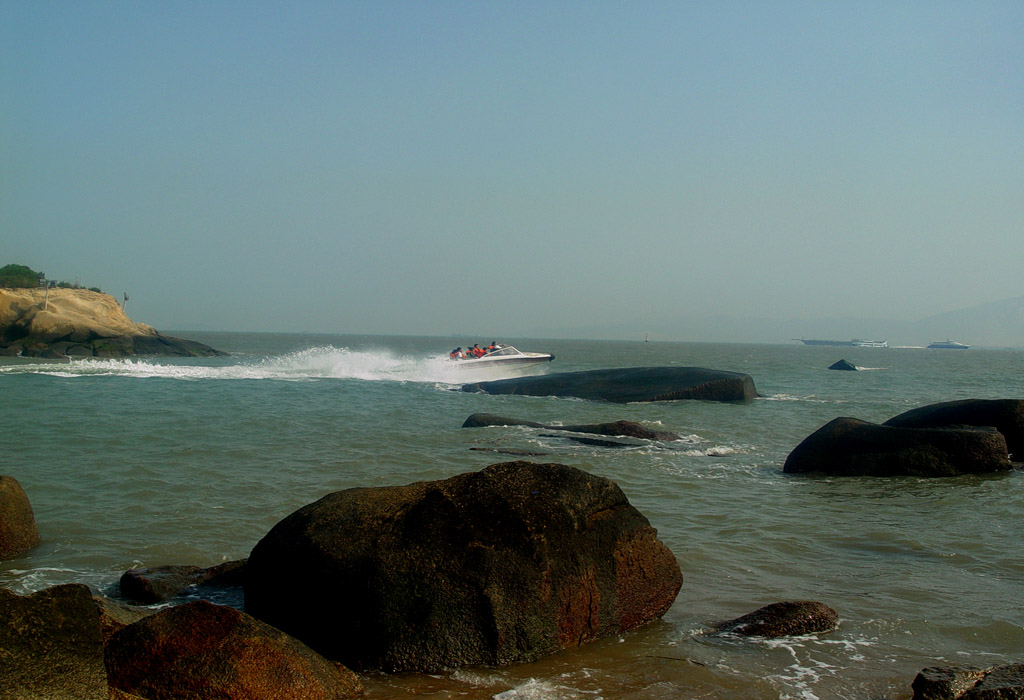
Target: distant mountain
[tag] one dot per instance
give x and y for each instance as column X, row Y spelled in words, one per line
column 994, row 324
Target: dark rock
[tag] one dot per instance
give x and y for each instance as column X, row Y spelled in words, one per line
column 844, row 365
column 18, row 531
column 970, row 683
column 118, row 694
column 230, row 573
column 486, row 420
column 507, row 451
column 851, row 447
column 503, row 565
column 51, row 645
column 109, row 348
column 630, row 384
column 623, row 428
column 159, row 583
column 1005, row 415
column 112, row 348
column 945, row 682
column 594, row 442
column 114, row 615
column 1000, row 683
column 167, row 345
column 785, row 619
column 201, row 650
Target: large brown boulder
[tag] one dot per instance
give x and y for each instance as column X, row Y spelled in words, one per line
column 51, row 645
column 202, row 650
column 630, row 384
column 789, row 618
column 852, row 447
column 18, row 531
column 115, row 615
column 507, row 564
column 1005, row 415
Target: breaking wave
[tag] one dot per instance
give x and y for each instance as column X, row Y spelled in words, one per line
column 317, row 363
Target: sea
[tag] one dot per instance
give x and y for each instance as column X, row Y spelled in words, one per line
column 154, row 461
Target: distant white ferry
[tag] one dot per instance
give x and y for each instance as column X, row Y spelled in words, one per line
column 948, row 345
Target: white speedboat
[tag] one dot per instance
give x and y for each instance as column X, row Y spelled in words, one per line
column 507, row 360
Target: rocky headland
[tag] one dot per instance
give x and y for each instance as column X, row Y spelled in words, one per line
column 61, row 323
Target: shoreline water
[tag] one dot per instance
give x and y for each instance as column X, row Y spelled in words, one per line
column 162, row 461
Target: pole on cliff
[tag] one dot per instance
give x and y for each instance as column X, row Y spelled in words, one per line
column 46, row 285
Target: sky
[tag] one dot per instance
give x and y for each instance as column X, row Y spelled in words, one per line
column 514, row 168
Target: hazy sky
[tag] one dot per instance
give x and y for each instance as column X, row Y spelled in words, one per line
column 514, row 168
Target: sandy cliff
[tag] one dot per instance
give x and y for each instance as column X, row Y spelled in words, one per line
column 79, row 322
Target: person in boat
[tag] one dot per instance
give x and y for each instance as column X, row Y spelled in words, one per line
column 492, row 347
column 455, row 354
column 476, row 350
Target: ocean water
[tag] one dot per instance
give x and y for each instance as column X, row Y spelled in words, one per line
column 170, row 461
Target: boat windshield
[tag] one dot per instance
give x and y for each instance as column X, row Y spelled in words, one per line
column 503, row 350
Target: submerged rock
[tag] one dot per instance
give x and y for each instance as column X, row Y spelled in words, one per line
column 18, row 531
column 202, row 650
column 844, row 366
column 507, row 564
column 622, row 428
column 852, row 447
column 159, row 583
column 786, row 619
column 509, row 451
column 630, row 384
column 51, row 645
column 487, row 420
column 593, row 442
column 1005, row 415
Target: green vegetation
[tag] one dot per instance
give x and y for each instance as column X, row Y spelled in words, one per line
column 18, row 276
column 21, row 277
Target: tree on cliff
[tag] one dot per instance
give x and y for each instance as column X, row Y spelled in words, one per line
column 18, row 276
column 22, row 277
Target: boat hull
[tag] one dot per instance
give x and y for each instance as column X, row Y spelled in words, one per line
column 513, row 363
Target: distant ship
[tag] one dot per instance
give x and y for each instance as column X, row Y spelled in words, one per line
column 855, row 342
column 948, row 345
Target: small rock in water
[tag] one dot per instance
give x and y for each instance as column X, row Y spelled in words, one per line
column 785, row 619
column 844, row 365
